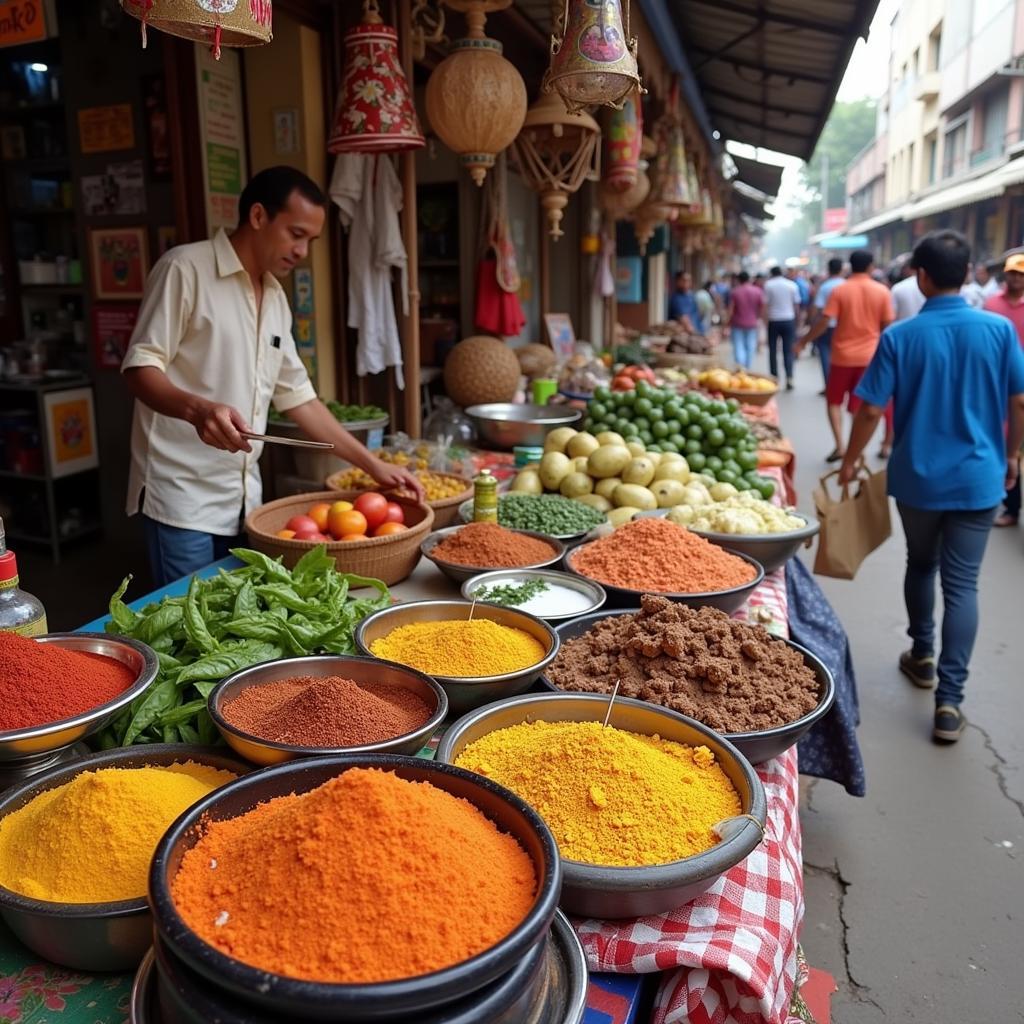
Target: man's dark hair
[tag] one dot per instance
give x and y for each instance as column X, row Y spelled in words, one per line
column 776, row 271
column 272, row 187
column 861, row 260
column 743, row 277
column 834, row 266
column 944, row 256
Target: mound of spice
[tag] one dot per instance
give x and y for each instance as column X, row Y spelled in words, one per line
column 657, row 556
column 490, row 546
column 727, row 674
column 91, row 840
column 44, row 683
column 325, row 712
column 366, row 878
column 460, row 647
column 610, row 797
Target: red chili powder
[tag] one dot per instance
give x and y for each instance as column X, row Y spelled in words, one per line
column 657, row 556
column 489, row 545
column 325, row 712
column 43, row 683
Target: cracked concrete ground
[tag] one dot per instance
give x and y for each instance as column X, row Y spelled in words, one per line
column 915, row 894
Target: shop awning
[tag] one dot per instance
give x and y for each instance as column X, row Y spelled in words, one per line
column 752, row 207
column 986, row 186
column 766, row 178
column 769, row 70
column 879, row 220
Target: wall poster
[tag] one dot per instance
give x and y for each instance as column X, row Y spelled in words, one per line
column 70, row 430
column 120, row 261
column 112, row 328
column 103, row 129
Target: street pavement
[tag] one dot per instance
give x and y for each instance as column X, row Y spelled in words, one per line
column 915, row 893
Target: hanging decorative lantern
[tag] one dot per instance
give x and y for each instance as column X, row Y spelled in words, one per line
column 375, row 113
column 217, row 22
column 556, row 152
column 593, row 62
column 646, row 219
column 669, row 184
column 476, row 100
column 618, row 205
column 622, row 140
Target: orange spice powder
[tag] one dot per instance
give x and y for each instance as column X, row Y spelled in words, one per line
column 657, row 556
column 369, row 877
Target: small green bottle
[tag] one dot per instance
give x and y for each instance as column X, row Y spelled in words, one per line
column 20, row 612
column 485, row 498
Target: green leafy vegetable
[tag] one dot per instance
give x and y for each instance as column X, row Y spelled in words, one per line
column 510, row 593
column 235, row 619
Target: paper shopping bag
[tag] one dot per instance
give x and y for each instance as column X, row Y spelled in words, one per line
column 853, row 525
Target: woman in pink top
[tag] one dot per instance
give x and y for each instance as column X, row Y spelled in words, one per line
column 745, row 305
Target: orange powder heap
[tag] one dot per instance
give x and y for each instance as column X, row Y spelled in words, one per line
column 657, row 556
column 367, row 878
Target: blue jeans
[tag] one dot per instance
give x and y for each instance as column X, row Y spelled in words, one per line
column 175, row 552
column 824, row 347
column 784, row 331
column 744, row 345
column 953, row 544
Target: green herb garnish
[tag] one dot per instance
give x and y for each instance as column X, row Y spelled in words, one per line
column 511, row 594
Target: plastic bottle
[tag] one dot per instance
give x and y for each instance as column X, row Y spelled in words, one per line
column 485, row 498
column 20, row 612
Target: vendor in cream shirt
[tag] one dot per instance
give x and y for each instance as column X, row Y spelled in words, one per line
column 212, row 350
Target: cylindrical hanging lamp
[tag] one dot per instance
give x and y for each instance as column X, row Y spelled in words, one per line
column 622, row 140
column 216, row 22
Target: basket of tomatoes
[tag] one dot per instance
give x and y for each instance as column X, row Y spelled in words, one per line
column 366, row 532
column 627, row 378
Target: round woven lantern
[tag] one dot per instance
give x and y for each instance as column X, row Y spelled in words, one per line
column 618, row 205
column 556, row 152
column 476, row 100
column 375, row 113
column 216, row 22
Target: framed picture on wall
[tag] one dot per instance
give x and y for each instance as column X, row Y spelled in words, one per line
column 120, row 260
column 561, row 336
column 70, row 430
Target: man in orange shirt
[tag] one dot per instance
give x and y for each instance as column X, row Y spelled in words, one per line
column 861, row 309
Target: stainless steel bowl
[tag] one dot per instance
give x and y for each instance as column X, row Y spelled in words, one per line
column 772, row 550
column 400, row 1000
column 591, row 890
column 41, row 740
column 461, row 573
column 756, row 746
column 465, row 692
column 593, row 591
column 466, row 515
column 93, row 936
column 728, row 601
column 509, row 424
column 370, row 672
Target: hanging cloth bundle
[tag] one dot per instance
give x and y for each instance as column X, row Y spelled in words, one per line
column 498, row 309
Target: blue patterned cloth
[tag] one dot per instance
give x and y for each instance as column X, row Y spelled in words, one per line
column 829, row 750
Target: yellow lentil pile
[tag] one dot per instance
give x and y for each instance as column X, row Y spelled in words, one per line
column 610, row 797
column 461, row 647
column 438, row 486
column 91, row 840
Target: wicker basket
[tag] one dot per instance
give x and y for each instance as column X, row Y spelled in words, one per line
column 446, row 510
column 390, row 559
column 753, row 397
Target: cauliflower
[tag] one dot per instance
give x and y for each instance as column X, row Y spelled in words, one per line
column 743, row 514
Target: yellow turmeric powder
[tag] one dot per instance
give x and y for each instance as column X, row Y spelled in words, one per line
column 610, row 797
column 461, row 647
column 91, row 840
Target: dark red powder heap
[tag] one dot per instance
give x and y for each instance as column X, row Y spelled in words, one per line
column 43, row 683
column 325, row 712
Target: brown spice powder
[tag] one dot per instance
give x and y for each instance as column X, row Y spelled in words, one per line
column 325, row 712
column 491, row 546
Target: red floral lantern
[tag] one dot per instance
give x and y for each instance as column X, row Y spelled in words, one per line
column 623, row 135
column 375, row 113
column 217, row 22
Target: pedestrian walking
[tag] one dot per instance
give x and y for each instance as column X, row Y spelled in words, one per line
column 955, row 376
column 907, row 297
column 781, row 309
column 980, row 287
column 746, row 301
column 862, row 309
column 1010, row 304
column 823, row 345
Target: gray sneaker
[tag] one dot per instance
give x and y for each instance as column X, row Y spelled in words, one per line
column 949, row 724
column 920, row 671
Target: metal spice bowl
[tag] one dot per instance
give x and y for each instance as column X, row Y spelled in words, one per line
column 93, row 936
column 252, row 991
column 371, row 672
column 592, row 890
column 466, row 692
column 460, row 573
column 772, row 550
column 756, row 746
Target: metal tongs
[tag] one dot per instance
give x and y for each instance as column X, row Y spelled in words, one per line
column 291, row 442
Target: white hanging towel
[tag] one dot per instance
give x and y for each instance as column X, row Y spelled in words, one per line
column 369, row 198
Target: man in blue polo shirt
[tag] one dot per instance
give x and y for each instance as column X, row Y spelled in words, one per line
column 955, row 375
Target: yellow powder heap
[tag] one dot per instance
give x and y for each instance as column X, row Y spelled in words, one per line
column 91, row 840
column 610, row 797
column 461, row 647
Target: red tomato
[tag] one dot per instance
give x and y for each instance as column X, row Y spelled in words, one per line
column 386, row 529
column 313, row 534
column 374, row 507
column 300, row 523
column 395, row 513
column 623, row 384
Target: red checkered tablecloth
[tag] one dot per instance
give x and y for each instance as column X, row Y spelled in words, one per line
column 729, row 955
